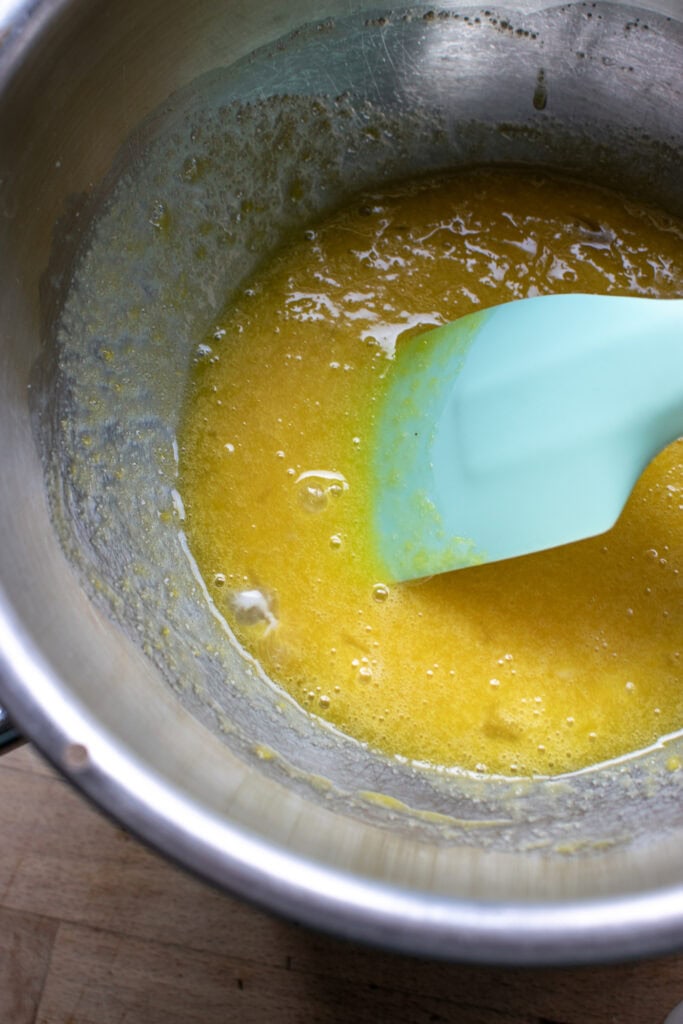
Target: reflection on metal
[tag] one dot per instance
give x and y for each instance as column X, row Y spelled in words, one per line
column 9, row 735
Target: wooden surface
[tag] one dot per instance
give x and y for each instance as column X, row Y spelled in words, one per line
column 95, row 929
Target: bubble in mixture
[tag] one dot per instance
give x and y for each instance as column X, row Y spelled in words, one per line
column 312, row 498
column 316, row 486
column 253, row 607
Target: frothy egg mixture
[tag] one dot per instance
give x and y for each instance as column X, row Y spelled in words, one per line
column 543, row 664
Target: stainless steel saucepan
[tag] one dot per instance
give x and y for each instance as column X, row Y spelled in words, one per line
column 150, row 155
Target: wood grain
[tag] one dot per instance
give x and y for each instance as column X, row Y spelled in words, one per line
column 96, row 929
column 26, row 944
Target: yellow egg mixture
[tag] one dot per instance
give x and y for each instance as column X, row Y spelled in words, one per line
column 543, row 664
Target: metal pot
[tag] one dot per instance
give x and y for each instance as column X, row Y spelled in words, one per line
column 128, row 133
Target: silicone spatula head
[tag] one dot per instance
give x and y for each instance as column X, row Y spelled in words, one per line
column 521, row 427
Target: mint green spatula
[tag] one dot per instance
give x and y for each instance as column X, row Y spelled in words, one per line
column 522, row 427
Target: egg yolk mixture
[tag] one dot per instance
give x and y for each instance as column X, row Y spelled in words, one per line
column 538, row 665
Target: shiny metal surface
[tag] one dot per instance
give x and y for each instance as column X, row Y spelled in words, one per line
column 261, row 801
column 9, row 735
